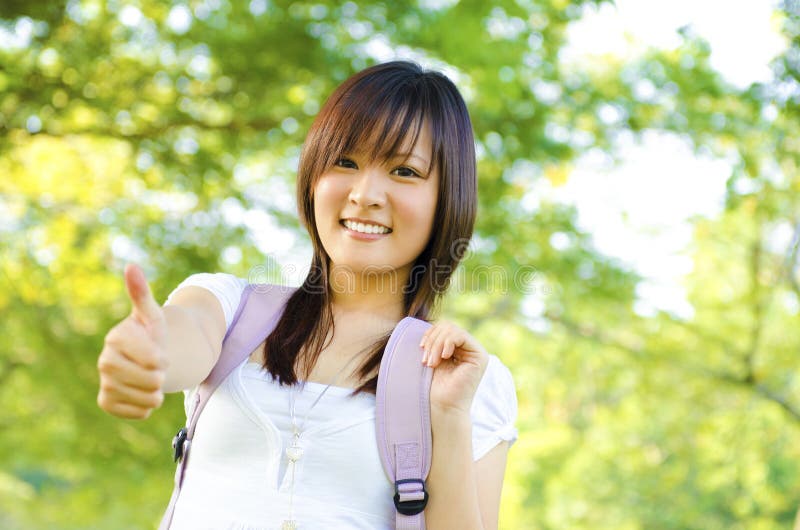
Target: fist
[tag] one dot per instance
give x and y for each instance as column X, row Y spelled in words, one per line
column 132, row 364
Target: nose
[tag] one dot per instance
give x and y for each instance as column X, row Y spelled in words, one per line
column 368, row 189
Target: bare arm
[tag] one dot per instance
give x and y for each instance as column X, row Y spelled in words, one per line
column 463, row 494
column 196, row 327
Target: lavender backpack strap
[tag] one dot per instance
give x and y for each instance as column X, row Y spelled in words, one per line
column 403, row 421
column 259, row 310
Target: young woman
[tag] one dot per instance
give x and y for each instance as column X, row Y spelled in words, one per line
column 386, row 188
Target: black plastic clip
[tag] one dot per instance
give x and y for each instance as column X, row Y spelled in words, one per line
column 177, row 443
column 410, row 507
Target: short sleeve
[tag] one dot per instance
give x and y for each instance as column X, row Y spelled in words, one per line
column 226, row 287
column 494, row 409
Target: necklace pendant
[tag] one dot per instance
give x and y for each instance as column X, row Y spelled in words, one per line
column 294, row 453
column 289, row 524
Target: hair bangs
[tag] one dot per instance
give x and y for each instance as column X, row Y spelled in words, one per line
column 381, row 127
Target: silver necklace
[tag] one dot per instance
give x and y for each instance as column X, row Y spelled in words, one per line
column 295, row 452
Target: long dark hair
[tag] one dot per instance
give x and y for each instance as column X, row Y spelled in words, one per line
column 379, row 107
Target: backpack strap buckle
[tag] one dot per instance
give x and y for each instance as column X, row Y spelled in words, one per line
column 178, row 443
column 415, row 504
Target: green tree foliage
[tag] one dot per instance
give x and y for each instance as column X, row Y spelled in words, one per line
column 136, row 131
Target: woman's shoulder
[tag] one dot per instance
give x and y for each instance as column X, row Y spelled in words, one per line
column 497, row 381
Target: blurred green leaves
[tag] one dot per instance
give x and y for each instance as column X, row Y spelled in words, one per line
column 137, row 131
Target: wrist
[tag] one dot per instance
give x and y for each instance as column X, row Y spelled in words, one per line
column 451, row 429
column 452, row 415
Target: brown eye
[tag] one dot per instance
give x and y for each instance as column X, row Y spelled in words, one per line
column 346, row 163
column 404, row 171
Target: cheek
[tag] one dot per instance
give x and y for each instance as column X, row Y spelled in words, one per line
column 325, row 195
column 419, row 211
column 431, row 203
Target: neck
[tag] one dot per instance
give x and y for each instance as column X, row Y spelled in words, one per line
column 378, row 296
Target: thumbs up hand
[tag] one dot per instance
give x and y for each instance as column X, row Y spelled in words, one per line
column 133, row 362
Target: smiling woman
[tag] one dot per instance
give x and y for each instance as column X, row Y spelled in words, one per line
column 399, row 142
column 376, row 215
column 386, row 188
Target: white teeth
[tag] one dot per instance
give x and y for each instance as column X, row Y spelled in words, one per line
column 365, row 228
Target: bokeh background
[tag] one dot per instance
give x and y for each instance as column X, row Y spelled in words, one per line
column 635, row 261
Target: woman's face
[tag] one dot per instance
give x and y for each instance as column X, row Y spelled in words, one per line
column 393, row 201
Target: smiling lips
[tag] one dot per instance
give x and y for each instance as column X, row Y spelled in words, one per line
column 365, row 228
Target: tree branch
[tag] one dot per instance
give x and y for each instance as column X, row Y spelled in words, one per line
column 790, row 263
column 757, row 307
column 6, row 369
column 588, row 332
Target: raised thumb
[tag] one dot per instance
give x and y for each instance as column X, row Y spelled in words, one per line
column 145, row 308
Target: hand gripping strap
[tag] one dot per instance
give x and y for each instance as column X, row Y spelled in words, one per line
column 259, row 310
column 402, row 421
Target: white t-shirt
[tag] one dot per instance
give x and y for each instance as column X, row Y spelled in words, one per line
column 236, row 476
